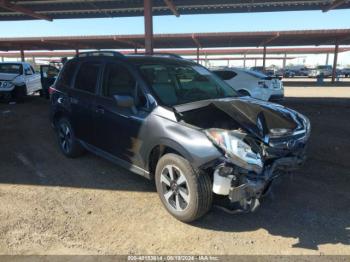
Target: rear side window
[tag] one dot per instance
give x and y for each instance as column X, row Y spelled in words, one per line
column 225, row 75
column 87, row 77
column 67, row 73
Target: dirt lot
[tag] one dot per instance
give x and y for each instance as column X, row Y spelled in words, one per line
column 53, row 205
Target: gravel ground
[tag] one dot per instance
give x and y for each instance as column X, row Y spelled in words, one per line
column 54, row 205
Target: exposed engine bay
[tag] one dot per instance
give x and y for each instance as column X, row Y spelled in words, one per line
column 259, row 142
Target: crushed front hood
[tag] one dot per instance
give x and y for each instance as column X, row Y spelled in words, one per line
column 254, row 116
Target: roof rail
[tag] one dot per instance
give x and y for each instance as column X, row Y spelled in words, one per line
column 160, row 54
column 168, row 55
column 100, row 53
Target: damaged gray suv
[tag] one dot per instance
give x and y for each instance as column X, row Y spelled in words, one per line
column 173, row 121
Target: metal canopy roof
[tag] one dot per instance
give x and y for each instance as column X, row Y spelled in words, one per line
column 193, row 52
column 60, row 9
column 197, row 40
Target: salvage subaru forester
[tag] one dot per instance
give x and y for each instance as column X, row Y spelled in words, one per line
column 172, row 120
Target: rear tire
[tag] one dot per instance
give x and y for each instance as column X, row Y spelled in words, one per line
column 67, row 141
column 185, row 193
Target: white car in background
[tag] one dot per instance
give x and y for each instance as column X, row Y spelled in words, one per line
column 325, row 70
column 252, row 83
column 18, row 79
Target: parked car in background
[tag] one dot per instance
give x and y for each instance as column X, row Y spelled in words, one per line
column 175, row 122
column 287, row 73
column 266, row 71
column 252, row 83
column 322, row 70
column 345, row 72
column 304, row 71
column 17, row 80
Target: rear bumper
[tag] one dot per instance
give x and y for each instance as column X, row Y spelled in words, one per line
column 276, row 97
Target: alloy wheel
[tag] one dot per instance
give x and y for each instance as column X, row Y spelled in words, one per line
column 175, row 188
column 65, row 137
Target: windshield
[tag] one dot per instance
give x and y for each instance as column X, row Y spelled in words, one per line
column 11, row 68
column 180, row 84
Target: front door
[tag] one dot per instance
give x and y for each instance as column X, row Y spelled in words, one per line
column 117, row 128
column 29, row 79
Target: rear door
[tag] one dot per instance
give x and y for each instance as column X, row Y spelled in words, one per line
column 82, row 99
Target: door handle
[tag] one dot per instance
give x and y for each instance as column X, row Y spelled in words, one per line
column 100, row 110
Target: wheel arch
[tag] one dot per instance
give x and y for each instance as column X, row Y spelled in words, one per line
column 243, row 91
column 162, row 148
column 57, row 115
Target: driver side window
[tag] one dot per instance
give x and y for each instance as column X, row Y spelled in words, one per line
column 27, row 70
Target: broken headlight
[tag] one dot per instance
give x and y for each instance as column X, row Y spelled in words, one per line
column 239, row 152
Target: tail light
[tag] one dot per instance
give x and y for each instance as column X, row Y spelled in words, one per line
column 52, row 90
column 262, row 84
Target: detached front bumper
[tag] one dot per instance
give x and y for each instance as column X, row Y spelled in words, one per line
column 254, row 186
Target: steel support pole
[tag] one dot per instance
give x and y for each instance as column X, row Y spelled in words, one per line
column 284, row 60
column 77, row 51
column 198, row 55
column 335, row 61
column 264, row 58
column 244, row 60
column 22, row 56
column 148, row 26
column 327, row 58
column 135, row 50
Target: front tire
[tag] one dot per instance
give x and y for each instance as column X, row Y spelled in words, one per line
column 68, row 143
column 20, row 93
column 185, row 193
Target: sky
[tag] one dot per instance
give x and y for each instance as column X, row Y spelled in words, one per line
column 297, row 20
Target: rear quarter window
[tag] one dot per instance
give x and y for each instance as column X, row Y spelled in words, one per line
column 225, row 75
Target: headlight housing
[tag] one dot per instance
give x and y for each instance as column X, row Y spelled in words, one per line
column 6, row 84
column 236, row 149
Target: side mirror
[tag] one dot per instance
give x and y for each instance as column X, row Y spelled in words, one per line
column 125, row 101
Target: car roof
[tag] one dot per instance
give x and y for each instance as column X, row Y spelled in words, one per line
column 151, row 59
column 14, row 62
column 139, row 59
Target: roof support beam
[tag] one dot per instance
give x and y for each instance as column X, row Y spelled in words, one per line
column 333, row 5
column 22, row 56
column 335, row 62
column 172, row 7
column 70, row 45
column 264, row 58
column 269, row 40
column 16, row 8
column 148, row 6
column 128, row 42
column 196, row 41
